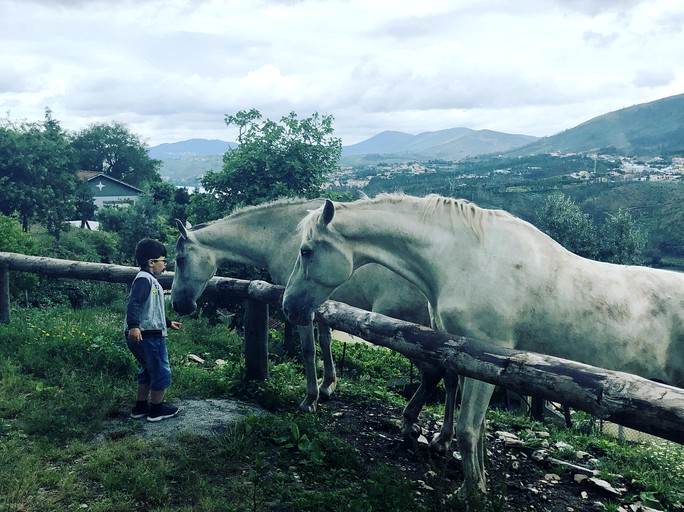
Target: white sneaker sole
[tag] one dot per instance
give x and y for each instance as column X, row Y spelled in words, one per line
column 159, row 418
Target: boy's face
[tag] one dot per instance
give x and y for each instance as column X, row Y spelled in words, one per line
column 157, row 265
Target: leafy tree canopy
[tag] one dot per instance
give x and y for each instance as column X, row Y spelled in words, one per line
column 619, row 240
column 622, row 241
column 562, row 220
column 274, row 159
column 145, row 218
column 110, row 148
column 37, row 173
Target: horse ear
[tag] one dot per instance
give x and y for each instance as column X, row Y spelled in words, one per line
column 328, row 212
column 183, row 231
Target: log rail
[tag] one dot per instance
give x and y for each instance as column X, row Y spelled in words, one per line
column 620, row 397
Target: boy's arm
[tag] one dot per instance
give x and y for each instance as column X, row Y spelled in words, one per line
column 140, row 290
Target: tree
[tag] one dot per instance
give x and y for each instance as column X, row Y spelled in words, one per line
column 562, row 220
column 111, row 149
column 37, row 173
column 619, row 240
column 145, row 218
column 622, row 241
column 181, row 200
column 286, row 159
column 84, row 202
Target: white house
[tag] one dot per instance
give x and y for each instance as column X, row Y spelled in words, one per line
column 109, row 191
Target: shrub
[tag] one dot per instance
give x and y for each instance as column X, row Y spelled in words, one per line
column 15, row 240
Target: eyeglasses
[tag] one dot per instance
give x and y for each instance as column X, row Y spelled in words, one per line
column 158, row 259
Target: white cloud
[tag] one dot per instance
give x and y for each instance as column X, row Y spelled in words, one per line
column 172, row 69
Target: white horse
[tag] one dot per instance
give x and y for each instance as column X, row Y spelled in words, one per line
column 494, row 277
column 266, row 236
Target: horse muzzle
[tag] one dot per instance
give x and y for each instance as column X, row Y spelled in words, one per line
column 296, row 311
column 184, row 307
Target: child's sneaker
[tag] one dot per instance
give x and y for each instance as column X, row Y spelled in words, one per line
column 140, row 410
column 161, row 411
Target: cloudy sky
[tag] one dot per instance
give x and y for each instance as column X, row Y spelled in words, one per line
column 171, row 69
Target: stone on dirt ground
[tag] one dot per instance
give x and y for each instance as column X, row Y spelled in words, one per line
column 196, row 417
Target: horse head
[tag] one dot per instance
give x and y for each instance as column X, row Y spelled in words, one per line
column 195, row 266
column 324, row 263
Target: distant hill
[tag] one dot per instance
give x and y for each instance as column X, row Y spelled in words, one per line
column 648, row 129
column 185, row 162
column 450, row 144
column 190, row 148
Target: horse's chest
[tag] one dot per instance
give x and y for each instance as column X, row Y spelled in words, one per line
column 482, row 324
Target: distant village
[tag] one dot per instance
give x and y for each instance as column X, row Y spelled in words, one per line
column 622, row 169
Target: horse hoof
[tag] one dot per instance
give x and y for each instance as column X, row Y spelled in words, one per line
column 473, row 499
column 305, row 406
column 440, row 446
column 411, row 431
column 325, row 391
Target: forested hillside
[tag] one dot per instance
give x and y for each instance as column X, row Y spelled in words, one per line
column 522, row 185
column 649, row 129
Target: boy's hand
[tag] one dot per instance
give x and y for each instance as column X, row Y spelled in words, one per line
column 135, row 335
column 176, row 325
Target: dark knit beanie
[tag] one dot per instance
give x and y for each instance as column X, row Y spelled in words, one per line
column 148, row 249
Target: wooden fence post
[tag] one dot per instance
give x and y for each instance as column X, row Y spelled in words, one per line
column 256, row 340
column 290, row 342
column 4, row 296
column 537, row 408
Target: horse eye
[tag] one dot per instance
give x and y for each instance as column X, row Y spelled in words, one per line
column 306, row 253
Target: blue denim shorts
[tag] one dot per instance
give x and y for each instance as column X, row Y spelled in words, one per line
column 153, row 357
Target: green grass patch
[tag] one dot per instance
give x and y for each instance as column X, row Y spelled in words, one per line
column 64, row 372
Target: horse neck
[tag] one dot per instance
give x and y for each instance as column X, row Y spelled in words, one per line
column 264, row 236
column 401, row 241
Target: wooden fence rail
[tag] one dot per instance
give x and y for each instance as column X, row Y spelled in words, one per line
column 614, row 396
column 256, row 310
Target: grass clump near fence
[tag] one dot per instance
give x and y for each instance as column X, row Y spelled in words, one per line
column 65, row 373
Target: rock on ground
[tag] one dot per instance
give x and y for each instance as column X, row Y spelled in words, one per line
column 197, row 417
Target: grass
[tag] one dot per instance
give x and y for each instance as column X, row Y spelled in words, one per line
column 64, row 372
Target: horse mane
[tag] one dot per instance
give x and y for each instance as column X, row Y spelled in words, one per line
column 460, row 210
column 248, row 209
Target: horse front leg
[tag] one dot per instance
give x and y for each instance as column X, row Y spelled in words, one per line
column 475, row 397
column 306, row 336
column 329, row 374
column 442, row 441
column 430, row 377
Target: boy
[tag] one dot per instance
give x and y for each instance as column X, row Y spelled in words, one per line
column 145, row 328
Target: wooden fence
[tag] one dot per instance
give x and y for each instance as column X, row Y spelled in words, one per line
column 619, row 397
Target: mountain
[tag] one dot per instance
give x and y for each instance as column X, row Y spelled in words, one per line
column 190, row 148
column 648, row 129
column 450, row 144
column 183, row 163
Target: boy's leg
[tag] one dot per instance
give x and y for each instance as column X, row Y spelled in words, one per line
column 142, row 407
column 157, row 396
column 160, row 410
column 160, row 374
column 143, row 392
